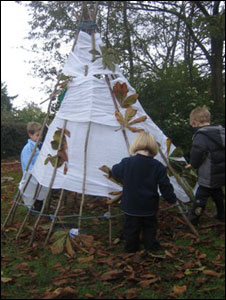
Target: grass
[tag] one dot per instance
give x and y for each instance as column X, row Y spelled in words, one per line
column 186, row 268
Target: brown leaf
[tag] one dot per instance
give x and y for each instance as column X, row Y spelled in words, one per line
column 21, row 266
column 211, row 273
column 130, row 113
column 58, row 246
column 179, row 290
column 135, row 129
column 120, row 118
column 200, row 255
column 63, row 282
column 167, row 253
column 179, row 275
column 59, row 293
column 69, row 248
column 129, row 100
column 115, row 199
column 120, row 90
column 86, row 240
column 148, row 276
column 6, row 279
column 111, row 275
column 67, row 132
column 85, row 259
column 146, row 283
column 168, row 144
column 105, row 169
column 65, row 168
column 138, row 120
column 131, row 294
column 63, row 155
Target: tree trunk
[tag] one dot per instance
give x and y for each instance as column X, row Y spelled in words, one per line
column 216, row 71
column 128, row 42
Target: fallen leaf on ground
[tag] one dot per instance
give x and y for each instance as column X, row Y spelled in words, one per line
column 179, row 290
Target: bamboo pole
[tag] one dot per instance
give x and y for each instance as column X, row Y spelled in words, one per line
column 50, row 185
column 117, row 109
column 15, row 204
column 84, row 175
column 37, row 191
column 110, row 225
column 11, row 209
column 86, row 146
column 179, row 181
column 54, row 217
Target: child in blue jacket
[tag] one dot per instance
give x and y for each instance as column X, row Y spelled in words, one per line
column 142, row 175
column 33, row 130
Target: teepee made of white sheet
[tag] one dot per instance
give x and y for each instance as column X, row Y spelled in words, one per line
column 88, row 130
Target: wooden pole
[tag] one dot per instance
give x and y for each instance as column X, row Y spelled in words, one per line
column 38, row 189
column 110, row 225
column 50, row 185
column 117, row 109
column 54, row 217
column 15, row 204
column 179, row 181
column 84, row 175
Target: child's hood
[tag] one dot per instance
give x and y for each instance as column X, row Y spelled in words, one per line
column 215, row 133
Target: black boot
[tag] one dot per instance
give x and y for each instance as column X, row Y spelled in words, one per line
column 196, row 211
column 220, row 210
column 38, row 205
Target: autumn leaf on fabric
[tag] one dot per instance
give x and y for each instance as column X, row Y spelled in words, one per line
column 120, row 91
column 61, row 157
column 126, row 121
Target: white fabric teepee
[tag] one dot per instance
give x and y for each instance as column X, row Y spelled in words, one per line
column 88, row 105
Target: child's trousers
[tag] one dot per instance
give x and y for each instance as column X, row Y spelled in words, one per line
column 132, row 228
column 202, row 195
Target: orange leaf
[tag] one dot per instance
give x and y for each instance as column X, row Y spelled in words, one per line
column 85, row 259
column 65, row 168
column 120, row 90
column 146, row 283
column 69, row 248
column 179, row 290
column 211, row 273
column 168, row 144
column 135, row 129
column 111, row 275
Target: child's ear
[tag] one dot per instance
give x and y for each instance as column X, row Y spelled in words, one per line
column 195, row 124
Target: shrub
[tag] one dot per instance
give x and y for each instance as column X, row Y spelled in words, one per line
column 13, row 138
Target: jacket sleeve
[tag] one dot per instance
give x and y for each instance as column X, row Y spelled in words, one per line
column 166, row 187
column 198, row 151
column 25, row 156
column 118, row 170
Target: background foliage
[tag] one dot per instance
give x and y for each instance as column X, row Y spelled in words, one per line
column 172, row 52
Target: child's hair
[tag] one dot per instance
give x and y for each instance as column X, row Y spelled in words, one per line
column 33, row 127
column 200, row 114
column 144, row 141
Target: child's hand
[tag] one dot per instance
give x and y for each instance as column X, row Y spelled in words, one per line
column 188, row 166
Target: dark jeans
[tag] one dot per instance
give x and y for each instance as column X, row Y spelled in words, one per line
column 202, row 195
column 133, row 226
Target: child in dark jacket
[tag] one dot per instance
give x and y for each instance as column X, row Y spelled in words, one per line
column 208, row 157
column 141, row 175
